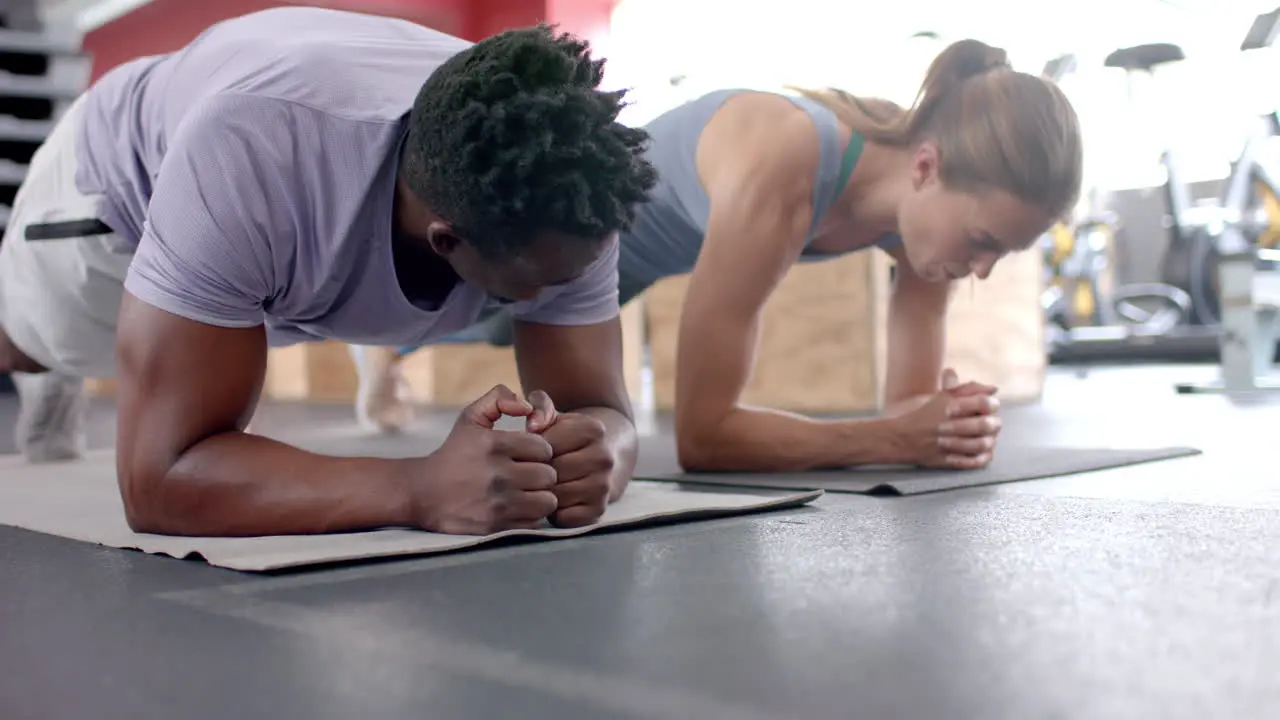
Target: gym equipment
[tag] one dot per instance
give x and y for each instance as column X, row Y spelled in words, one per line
column 1245, row 221
column 1239, row 240
column 1078, row 306
column 1243, row 231
column 1081, row 309
column 1250, row 327
column 42, row 69
column 1251, row 199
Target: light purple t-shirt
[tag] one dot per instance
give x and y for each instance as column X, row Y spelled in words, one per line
column 256, row 171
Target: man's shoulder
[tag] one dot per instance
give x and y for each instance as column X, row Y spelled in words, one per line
column 293, row 27
column 280, row 163
column 272, row 118
column 350, row 66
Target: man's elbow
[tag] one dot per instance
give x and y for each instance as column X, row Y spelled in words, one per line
column 140, row 512
column 142, row 493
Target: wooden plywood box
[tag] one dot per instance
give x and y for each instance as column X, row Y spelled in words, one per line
column 100, row 387
column 819, row 349
column 459, row 373
column 454, row 375
column 310, row 372
column 824, row 334
column 320, row 372
column 995, row 329
column 313, row 372
column 445, row 375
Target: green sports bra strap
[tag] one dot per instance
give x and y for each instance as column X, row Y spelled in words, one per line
column 851, row 155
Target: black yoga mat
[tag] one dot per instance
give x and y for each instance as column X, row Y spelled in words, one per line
column 1012, row 464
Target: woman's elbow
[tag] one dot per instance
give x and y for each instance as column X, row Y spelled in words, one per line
column 699, row 448
column 707, row 431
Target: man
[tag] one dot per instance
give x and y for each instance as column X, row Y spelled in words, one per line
column 289, row 177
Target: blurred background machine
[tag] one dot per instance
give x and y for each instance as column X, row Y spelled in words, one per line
column 1113, row 292
column 42, row 69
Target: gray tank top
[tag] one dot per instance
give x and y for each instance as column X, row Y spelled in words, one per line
column 667, row 234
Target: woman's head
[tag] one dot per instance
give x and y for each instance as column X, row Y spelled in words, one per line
column 995, row 159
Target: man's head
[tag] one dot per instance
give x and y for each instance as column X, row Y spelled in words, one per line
column 519, row 170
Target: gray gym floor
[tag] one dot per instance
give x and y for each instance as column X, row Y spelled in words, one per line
column 1148, row 592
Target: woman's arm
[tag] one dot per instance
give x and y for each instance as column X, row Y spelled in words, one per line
column 917, row 336
column 761, row 211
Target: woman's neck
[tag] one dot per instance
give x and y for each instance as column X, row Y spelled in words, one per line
column 868, row 206
column 880, row 181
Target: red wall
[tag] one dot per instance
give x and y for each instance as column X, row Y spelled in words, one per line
column 489, row 17
column 166, row 25
column 589, row 19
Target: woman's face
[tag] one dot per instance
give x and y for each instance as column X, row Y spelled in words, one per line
column 949, row 235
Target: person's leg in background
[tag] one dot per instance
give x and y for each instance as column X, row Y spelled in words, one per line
column 383, row 401
column 52, row 407
column 61, row 281
column 382, row 393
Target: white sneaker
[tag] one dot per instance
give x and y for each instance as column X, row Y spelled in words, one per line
column 51, row 417
column 382, row 394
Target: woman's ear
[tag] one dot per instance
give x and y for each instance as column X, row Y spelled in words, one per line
column 924, row 164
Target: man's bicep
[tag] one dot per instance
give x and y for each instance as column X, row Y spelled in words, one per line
column 179, row 382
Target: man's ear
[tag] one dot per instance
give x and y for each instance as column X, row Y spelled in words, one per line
column 442, row 238
column 924, row 164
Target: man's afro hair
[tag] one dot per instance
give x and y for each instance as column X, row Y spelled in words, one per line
column 512, row 137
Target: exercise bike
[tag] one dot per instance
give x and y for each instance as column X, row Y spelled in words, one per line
column 1234, row 267
column 1250, row 203
column 1082, row 309
column 1246, row 217
column 1224, row 253
column 1078, row 303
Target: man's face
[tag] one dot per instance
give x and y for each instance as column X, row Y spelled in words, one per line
column 552, row 259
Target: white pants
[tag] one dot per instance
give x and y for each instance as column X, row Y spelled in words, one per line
column 60, row 296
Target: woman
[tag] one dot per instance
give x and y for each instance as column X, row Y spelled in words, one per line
column 752, row 182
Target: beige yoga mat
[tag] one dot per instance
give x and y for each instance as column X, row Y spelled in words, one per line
column 80, row 501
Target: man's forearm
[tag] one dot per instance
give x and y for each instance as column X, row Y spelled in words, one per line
column 762, row 440
column 234, row 484
column 620, row 435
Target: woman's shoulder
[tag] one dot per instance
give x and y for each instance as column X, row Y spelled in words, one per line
column 761, row 129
